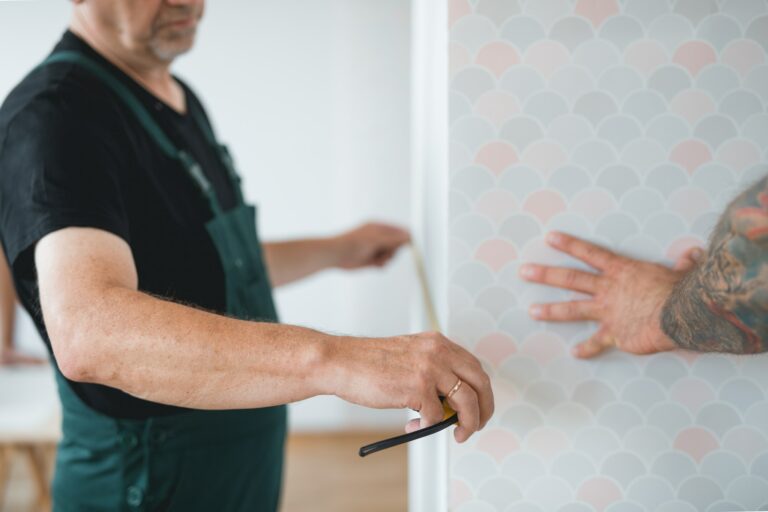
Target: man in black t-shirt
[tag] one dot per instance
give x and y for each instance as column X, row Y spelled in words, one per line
column 135, row 254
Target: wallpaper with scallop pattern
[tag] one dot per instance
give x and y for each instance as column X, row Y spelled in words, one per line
column 631, row 123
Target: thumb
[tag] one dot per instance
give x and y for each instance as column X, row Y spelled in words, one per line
column 431, row 412
column 594, row 346
column 412, row 426
column 688, row 259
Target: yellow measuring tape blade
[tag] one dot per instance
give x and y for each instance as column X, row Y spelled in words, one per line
column 429, row 307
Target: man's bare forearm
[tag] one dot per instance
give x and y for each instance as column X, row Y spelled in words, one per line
column 173, row 354
column 293, row 260
column 722, row 305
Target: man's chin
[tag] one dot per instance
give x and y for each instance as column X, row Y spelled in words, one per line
column 169, row 50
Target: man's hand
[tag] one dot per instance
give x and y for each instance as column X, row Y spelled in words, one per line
column 12, row 357
column 412, row 371
column 625, row 296
column 370, row 245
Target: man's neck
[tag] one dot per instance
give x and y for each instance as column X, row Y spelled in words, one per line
column 152, row 73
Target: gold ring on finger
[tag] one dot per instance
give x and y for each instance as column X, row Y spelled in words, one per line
column 454, row 389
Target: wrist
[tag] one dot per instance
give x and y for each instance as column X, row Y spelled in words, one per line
column 663, row 342
column 329, row 365
column 337, row 247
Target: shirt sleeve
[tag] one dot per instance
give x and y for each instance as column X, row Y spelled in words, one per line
column 57, row 169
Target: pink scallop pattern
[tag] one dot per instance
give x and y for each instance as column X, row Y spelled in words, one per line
column 599, row 492
column 498, row 443
column 496, row 156
column 690, row 155
column 460, row 492
column 686, row 73
column 597, row 11
column 696, row 442
column 544, row 204
column 692, row 105
column 495, row 347
column 496, row 253
column 497, row 57
column 694, row 55
column 547, row 57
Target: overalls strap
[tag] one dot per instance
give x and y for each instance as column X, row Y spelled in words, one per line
column 146, row 120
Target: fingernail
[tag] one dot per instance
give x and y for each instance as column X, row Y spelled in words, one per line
column 526, row 271
column 576, row 351
column 554, row 237
column 535, row 311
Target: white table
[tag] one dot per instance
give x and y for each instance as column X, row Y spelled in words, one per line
column 29, row 423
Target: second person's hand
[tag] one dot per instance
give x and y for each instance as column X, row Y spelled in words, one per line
column 370, row 245
column 625, row 295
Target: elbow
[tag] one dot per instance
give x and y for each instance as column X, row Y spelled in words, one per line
column 73, row 368
column 73, row 358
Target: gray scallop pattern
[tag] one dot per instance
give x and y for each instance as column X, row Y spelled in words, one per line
column 631, row 123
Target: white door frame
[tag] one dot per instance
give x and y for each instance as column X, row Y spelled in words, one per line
column 428, row 458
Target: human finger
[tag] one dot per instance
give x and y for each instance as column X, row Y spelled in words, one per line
column 412, row 425
column 393, row 236
column 465, row 402
column 560, row 277
column 570, row 311
column 592, row 254
column 595, row 345
column 468, row 368
column 431, row 410
column 689, row 259
column 475, row 376
column 382, row 257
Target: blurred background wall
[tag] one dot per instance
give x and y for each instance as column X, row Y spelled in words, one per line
column 631, row 123
column 313, row 99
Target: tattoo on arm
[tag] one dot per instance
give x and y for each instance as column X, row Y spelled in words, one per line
column 722, row 305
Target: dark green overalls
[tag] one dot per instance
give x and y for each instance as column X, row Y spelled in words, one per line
column 196, row 460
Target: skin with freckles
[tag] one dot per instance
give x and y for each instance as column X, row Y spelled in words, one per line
column 713, row 300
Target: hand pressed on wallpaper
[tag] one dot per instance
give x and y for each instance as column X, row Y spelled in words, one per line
column 713, row 301
column 626, row 296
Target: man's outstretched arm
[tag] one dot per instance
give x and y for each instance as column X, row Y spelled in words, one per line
column 722, row 304
column 104, row 330
column 370, row 245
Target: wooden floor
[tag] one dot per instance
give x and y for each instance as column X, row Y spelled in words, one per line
column 323, row 473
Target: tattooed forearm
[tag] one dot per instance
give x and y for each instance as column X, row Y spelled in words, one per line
column 722, row 305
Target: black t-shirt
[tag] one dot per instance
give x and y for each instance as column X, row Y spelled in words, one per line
column 72, row 154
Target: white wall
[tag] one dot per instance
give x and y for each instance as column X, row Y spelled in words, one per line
column 313, row 99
